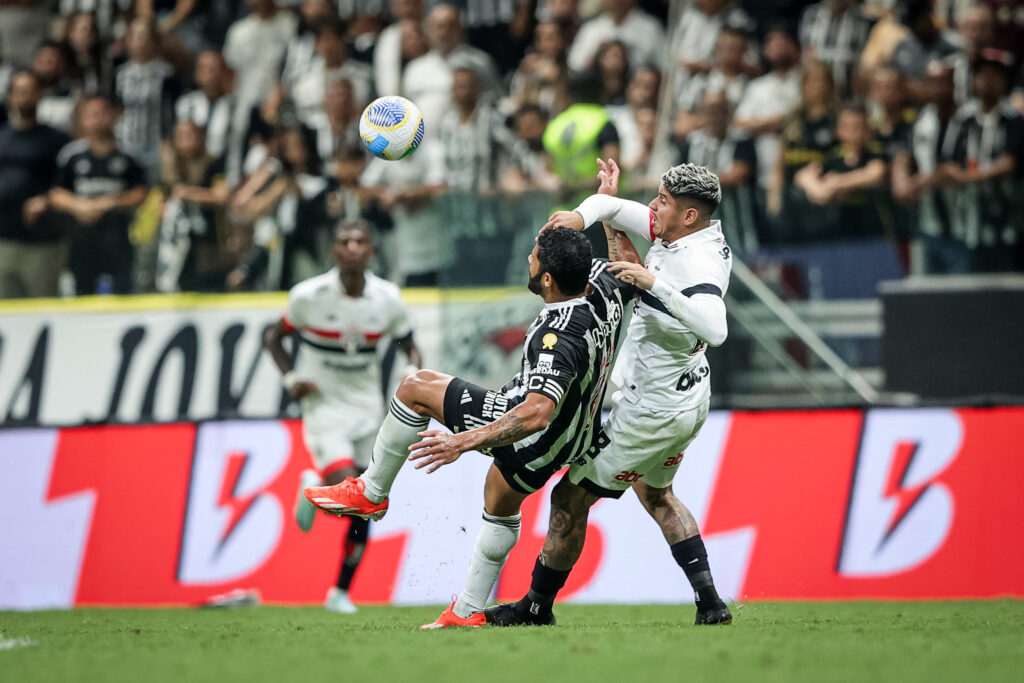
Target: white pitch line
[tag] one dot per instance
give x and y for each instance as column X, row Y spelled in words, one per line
column 12, row 643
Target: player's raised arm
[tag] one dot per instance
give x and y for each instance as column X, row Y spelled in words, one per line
column 620, row 248
column 701, row 308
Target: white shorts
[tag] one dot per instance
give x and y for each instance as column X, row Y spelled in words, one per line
column 334, row 448
column 640, row 445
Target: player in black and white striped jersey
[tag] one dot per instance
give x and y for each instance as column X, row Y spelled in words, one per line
column 545, row 417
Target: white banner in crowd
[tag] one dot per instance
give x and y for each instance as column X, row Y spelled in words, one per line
column 157, row 359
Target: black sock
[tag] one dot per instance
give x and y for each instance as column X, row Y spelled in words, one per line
column 358, row 532
column 693, row 558
column 543, row 588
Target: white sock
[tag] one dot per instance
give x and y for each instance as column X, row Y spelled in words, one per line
column 496, row 538
column 391, row 449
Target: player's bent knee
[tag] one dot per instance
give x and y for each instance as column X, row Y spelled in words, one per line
column 573, row 500
column 415, row 390
column 651, row 498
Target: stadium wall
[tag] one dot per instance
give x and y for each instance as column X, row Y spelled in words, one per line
column 885, row 503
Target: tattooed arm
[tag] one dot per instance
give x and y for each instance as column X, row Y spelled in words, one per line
column 439, row 448
column 620, row 248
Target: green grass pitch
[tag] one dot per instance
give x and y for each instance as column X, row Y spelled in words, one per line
column 848, row 641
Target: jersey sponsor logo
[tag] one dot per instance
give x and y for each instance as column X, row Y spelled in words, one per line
column 549, row 340
column 628, row 476
column 690, row 379
column 545, row 363
column 495, row 405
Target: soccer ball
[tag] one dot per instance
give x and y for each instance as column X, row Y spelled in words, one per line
column 391, row 127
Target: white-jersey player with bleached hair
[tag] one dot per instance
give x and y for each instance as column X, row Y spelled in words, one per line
column 662, row 375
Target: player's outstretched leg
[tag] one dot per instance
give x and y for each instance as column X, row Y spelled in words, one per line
column 683, row 537
column 355, row 545
column 567, row 529
column 419, row 397
column 497, row 537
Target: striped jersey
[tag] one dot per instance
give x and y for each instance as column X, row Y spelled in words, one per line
column 567, row 357
column 338, row 336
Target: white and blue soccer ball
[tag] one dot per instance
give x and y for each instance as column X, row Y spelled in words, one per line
column 391, row 127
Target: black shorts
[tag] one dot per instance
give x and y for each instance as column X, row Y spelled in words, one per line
column 468, row 406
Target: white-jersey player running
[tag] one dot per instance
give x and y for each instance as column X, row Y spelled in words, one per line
column 662, row 373
column 339, row 319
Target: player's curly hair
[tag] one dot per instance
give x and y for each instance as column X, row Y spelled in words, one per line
column 697, row 183
column 565, row 254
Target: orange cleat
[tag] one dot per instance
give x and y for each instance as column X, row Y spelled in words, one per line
column 346, row 498
column 449, row 618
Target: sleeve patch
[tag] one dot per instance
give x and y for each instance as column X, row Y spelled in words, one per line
column 703, row 288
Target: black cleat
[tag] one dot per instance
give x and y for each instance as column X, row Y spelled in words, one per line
column 506, row 614
column 718, row 615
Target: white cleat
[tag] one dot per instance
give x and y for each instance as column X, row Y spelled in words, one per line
column 337, row 601
column 305, row 512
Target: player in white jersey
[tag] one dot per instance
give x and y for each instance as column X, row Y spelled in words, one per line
column 662, row 373
column 339, row 319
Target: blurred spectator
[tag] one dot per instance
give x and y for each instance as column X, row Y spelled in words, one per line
column 293, row 215
column 90, row 67
column 1008, row 26
column 697, row 36
column 541, row 77
column 389, row 58
column 331, row 63
column 579, row 135
column 734, row 159
column 621, row 20
column 254, row 48
column 889, row 114
column 770, row 100
column 31, row 252
column 938, row 246
column 563, row 13
column 99, row 186
column 727, row 75
column 612, row 66
column 110, row 15
column 192, row 255
column 57, row 106
column 418, row 249
column 214, row 108
column 23, row 25
column 641, row 95
column 532, row 170
column 807, row 139
column 976, row 31
column 146, row 88
column 300, row 52
column 844, row 183
column 181, row 23
column 835, row 32
column 478, row 146
column 337, row 126
column 925, row 44
column 501, row 28
column 427, row 80
column 988, row 139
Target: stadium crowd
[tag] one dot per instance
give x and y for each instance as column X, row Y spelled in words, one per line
column 210, row 145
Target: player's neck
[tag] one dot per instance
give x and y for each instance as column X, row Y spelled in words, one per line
column 682, row 231
column 353, row 283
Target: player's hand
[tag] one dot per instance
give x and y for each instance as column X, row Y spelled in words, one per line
column 437, row 449
column 564, row 219
column 301, row 390
column 609, row 177
column 633, row 273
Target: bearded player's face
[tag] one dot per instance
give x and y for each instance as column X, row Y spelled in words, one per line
column 535, row 273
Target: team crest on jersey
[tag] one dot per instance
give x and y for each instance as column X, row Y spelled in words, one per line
column 544, row 361
column 549, row 340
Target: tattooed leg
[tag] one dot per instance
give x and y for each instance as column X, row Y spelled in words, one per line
column 675, row 520
column 567, row 528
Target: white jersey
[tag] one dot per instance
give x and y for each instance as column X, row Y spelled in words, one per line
column 339, row 335
column 662, row 364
